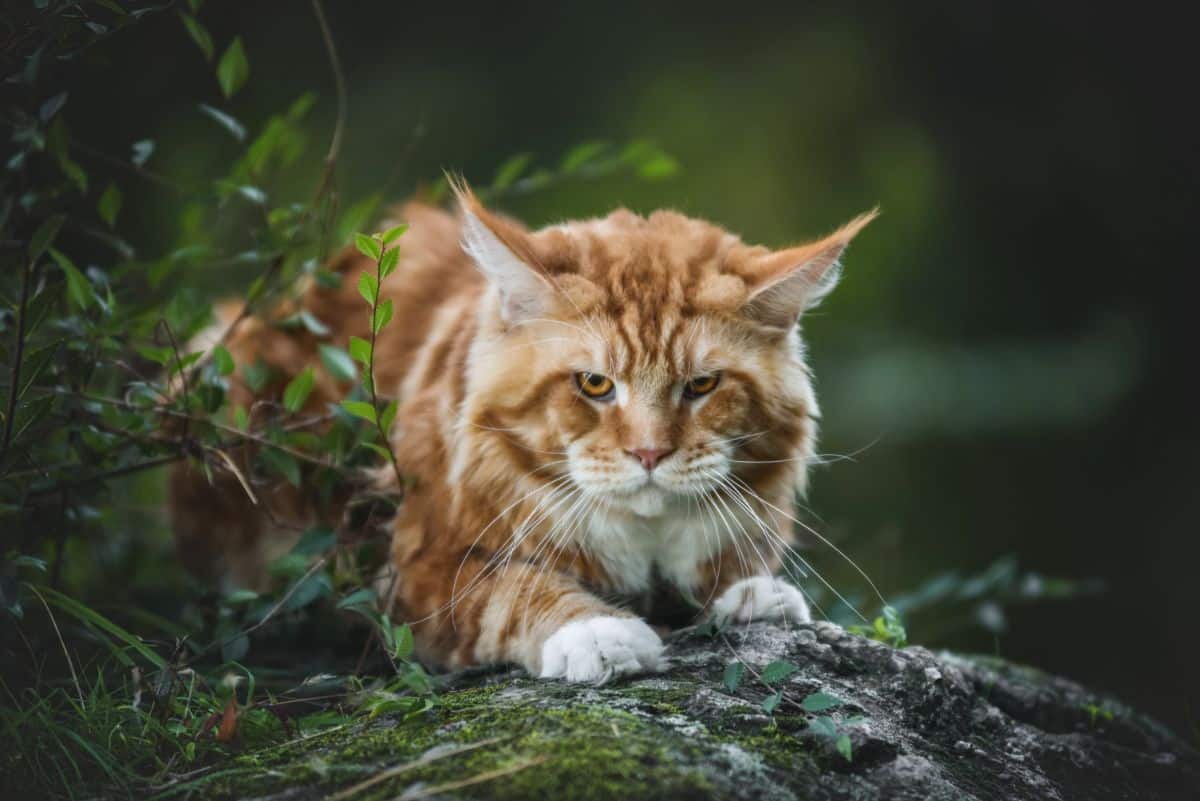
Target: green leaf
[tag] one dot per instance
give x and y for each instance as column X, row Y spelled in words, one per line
column 389, row 414
column 658, row 167
column 256, row 375
column 52, row 107
column 241, row 418
column 233, row 69
column 383, row 452
column 388, row 262
column 282, row 463
column 581, row 154
column 235, row 128
column 298, row 390
column 158, row 355
column 141, row 151
column 823, row 726
column 368, row 287
column 307, row 590
column 845, row 747
column 819, row 702
column 311, row 323
column 95, row 620
column 511, row 170
column 402, row 637
column 338, row 363
column 360, row 349
column 315, row 541
column 394, row 233
column 368, row 246
column 734, row 672
column 362, row 597
column 383, row 315
column 109, row 205
column 240, row 597
column 79, row 289
column 777, row 672
column 356, row 217
column 35, row 362
column 771, row 702
column 44, row 236
column 360, row 409
column 222, row 360
column 199, row 35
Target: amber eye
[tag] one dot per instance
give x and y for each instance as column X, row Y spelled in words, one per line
column 594, row 385
column 701, row 385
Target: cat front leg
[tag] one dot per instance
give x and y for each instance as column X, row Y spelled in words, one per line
column 541, row 619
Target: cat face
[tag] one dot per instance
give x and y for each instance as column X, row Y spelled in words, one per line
column 643, row 361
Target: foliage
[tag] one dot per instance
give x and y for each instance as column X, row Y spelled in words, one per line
column 103, row 378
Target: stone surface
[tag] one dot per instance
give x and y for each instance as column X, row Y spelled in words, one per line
column 919, row 726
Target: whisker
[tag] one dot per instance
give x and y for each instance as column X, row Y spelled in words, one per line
column 823, row 539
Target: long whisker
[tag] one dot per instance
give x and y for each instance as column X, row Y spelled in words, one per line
column 774, row 541
column 746, row 488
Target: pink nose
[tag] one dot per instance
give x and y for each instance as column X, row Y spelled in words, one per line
column 650, row 457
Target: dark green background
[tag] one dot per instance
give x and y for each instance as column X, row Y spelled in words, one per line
column 1010, row 350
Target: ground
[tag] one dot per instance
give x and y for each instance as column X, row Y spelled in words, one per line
column 857, row 719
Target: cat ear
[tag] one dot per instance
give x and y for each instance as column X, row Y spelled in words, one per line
column 503, row 252
column 784, row 283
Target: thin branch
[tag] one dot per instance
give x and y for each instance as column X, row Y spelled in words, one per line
column 387, row 442
column 141, row 172
column 18, row 354
column 339, row 80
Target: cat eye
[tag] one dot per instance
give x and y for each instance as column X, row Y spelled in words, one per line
column 595, row 386
column 701, row 385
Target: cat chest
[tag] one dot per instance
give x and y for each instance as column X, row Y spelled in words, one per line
column 636, row 554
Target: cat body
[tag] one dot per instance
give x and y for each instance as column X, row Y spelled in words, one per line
column 587, row 413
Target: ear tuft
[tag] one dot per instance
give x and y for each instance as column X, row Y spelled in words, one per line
column 787, row 282
column 503, row 253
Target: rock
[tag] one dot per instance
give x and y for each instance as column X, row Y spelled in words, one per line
column 911, row 725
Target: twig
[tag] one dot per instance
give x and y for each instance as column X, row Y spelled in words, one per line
column 390, row 773
column 142, row 172
column 486, row 776
column 316, row 567
column 18, row 355
column 339, row 80
column 66, row 653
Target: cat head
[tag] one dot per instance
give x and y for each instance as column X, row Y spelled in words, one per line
column 642, row 360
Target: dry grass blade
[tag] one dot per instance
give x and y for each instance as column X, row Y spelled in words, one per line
column 383, row 776
column 233, row 468
column 487, row 776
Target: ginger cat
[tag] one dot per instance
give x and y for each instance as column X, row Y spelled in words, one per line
column 588, row 413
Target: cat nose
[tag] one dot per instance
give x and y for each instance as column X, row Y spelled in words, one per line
column 650, row 457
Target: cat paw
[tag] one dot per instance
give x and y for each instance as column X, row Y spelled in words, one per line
column 597, row 649
column 762, row 598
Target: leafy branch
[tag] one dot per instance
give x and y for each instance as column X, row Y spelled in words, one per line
column 376, row 247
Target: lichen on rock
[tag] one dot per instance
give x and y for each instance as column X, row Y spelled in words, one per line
column 916, row 725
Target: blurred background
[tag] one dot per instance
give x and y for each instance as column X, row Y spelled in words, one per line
column 1003, row 369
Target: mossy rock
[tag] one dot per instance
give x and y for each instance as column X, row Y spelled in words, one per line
column 910, row 725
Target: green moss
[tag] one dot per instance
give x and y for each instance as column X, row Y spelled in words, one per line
column 584, row 751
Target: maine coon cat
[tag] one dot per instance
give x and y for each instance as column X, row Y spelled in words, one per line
column 588, row 413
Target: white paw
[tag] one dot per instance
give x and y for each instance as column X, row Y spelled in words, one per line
column 762, row 598
column 597, row 649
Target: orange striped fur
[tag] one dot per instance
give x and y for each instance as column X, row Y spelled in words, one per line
column 537, row 515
